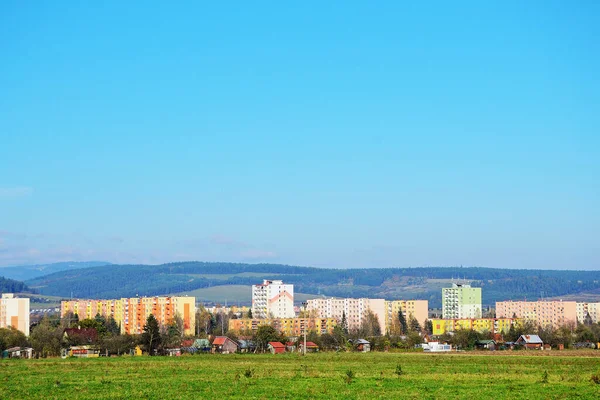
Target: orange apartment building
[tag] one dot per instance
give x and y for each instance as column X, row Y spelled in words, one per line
column 542, row 313
column 131, row 313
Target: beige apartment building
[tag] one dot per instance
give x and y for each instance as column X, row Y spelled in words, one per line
column 14, row 312
column 543, row 313
column 354, row 309
column 131, row 313
column 588, row 309
column 418, row 309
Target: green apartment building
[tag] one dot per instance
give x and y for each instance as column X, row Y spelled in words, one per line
column 461, row 301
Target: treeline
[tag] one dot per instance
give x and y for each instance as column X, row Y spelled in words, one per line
column 114, row 281
column 12, row 286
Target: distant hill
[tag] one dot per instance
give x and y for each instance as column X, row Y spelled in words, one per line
column 114, row 281
column 25, row 272
column 12, row 286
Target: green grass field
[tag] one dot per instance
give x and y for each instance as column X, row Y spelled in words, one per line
column 323, row 375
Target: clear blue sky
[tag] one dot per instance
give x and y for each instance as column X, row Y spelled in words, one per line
column 343, row 134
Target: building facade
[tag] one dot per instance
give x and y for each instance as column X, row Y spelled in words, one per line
column 493, row 325
column 273, row 299
column 131, row 313
column 588, row 312
column 14, row 312
column 418, row 309
column 287, row 326
column 542, row 313
column 461, row 301
column 355, row 310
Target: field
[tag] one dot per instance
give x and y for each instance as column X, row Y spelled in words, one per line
column 324, row 375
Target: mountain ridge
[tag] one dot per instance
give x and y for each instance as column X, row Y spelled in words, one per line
column 126, row 280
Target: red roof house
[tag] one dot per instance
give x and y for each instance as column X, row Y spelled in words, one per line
column 222, row 344
column 276, row 347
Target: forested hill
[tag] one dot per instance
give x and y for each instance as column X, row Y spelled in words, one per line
column 25, row 272
column 12, row 286
column 114, row 281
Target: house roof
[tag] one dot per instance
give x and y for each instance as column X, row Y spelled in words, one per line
column 220, row 340
column 87, row 333
column 361, row 341
column 530, row 339
column 486, row 341
column 311, row 344
column 276, row 344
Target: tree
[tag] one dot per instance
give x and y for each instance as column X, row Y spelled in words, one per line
column 118, row 344
column 465, row 338
column 413, row 324
column 112, row 327
column 370, row 324
column 344, row 323
column 151, row 336
column 265, row 334
column 101, row 324
column 11, row 337
column 45, row 338
column 402, row 322
column 428, row 324
column 250, row 313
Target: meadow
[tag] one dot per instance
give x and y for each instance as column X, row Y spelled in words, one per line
column 525, row 375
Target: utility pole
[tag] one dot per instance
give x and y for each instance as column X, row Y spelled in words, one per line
column 305, row 323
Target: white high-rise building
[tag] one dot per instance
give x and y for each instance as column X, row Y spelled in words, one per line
column 273, row 299
column 14, row 312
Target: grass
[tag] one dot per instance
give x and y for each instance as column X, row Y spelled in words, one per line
column 321, row 375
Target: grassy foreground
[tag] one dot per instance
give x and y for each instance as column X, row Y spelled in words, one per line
column 324, row 375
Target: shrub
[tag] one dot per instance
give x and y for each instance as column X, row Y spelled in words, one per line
column 349, row 376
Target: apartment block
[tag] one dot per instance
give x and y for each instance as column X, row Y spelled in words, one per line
column 493, row 325
column 131, row 313
column 287, row 326
column 417, row 309
column 585, row 310
column 273, row 299
column 14, row 312
column 461, row 301
column 542, row 313
column 354, row 309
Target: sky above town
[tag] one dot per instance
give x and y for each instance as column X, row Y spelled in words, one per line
column 330, row 134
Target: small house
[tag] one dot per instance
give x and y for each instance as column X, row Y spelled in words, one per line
column 530, row 341
column 486, row 344
column 361, row 345
column 176, row 352
column 276, row 347
column 18, row 352
column 81, row 352
column 81, row 336
column 436, row 347
column 311, row 347
column 224, row 345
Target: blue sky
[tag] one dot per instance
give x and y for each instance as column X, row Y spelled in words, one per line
column 343, row 134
